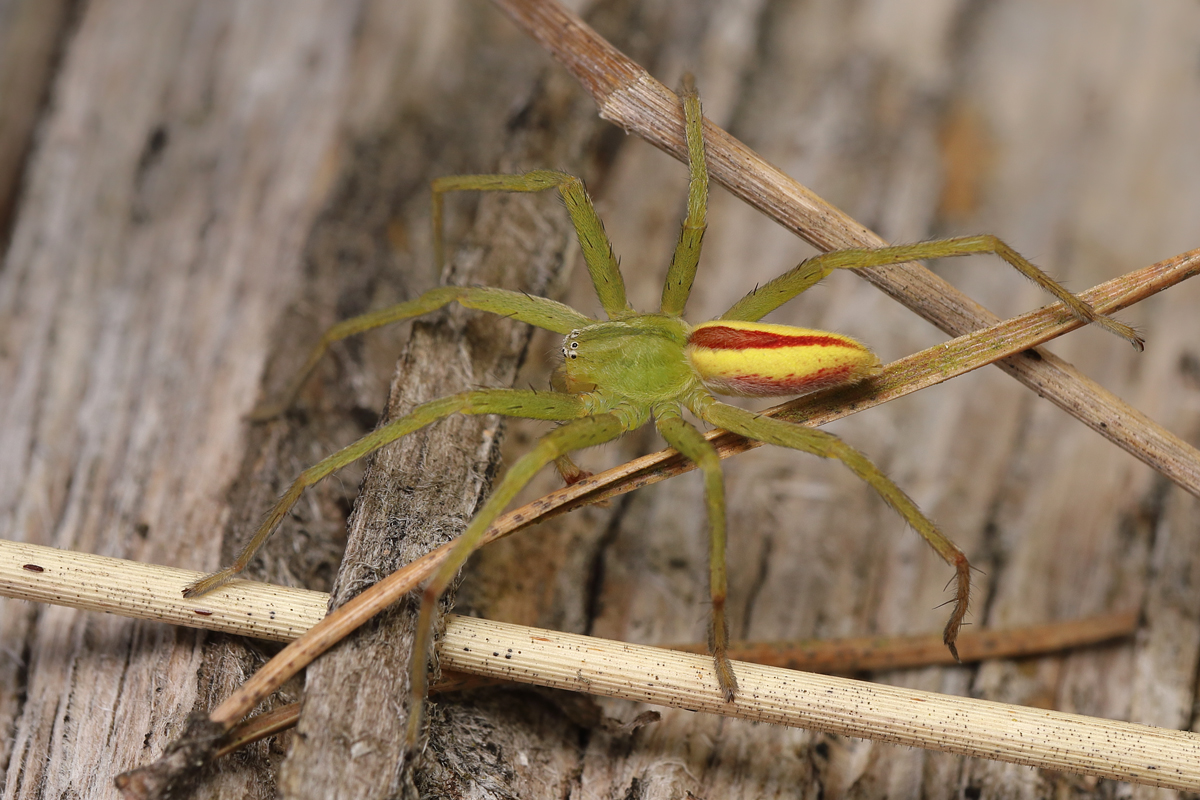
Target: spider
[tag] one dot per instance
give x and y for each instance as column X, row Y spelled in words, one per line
column 617, row 374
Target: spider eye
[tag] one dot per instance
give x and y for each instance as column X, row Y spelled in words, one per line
column 574, row 345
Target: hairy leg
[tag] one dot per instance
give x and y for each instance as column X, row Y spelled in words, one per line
column 826, row 445
column 682, row 272
column 538, row 311
column 508, row 402
column 767, row 298
column 597, row 251
column 575, row 435
column 687, row 440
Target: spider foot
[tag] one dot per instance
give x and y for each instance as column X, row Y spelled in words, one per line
column 725, row 677
column 572, row 474
column 209, row 582
column 718, row 643
column 961, row 601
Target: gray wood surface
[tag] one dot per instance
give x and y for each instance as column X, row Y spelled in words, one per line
column 213, row 183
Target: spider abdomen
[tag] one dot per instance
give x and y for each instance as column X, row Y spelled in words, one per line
column 756, row 359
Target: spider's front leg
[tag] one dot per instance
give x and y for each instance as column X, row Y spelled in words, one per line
column 597, row 250
column 682, row 272
column 507, row 402
column 538, row 311
column 826, row 445
column 541, row 312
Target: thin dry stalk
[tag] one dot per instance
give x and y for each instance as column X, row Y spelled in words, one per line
column 146, row 591
column 1035, row 737
column 873, row 653
column 277, row 613
column 629, row 96
column 826, row 656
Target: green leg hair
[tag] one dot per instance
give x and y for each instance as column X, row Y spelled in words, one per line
column 539, row 311
column 765, row 299
column 597, row 251
column 689, row 441
column 682, row 272
column 826, row 445
column 575, row 435
column 509, row 402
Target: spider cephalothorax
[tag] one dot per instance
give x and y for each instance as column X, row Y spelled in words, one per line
column 619, row 373
column 638, row 360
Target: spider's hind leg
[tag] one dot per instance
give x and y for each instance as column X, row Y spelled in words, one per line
column 818, row 442
column 687, row 440
column 770, row 296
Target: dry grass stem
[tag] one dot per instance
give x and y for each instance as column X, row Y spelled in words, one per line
column 150, row 591
column 871, row 653
column 827, row 656
column 1035, row 737
column 283, row 614
column 653, row 675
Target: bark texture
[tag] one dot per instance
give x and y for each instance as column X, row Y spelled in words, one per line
column 210, row 184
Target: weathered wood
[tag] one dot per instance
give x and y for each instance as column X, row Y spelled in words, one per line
column 152, row 275
column 31, row 33
column 173, row 182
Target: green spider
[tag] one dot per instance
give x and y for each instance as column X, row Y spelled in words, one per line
column 618, row 374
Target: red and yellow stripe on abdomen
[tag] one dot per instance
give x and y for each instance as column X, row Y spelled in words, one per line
column 755, row 359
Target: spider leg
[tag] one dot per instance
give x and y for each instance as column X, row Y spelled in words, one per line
column 509, row 402
column 826, row 445
column 539, row 311
column 767, row 298
column 682, row 272
column 597, row 250
column 569, row 471
column 575, row 435
column 687, row 440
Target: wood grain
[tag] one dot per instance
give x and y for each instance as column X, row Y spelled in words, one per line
column 170, row 249
column 30, row 42
column 182, row 158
